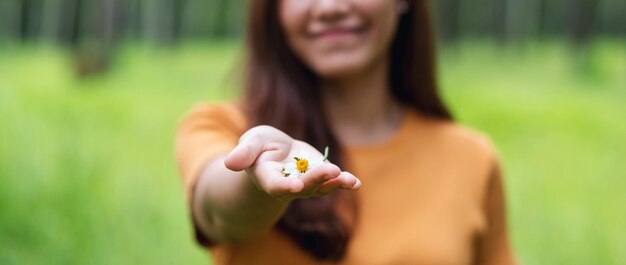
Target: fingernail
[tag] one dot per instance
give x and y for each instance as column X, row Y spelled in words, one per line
column 357, row 184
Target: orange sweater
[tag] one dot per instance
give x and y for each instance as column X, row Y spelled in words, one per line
column 432, row 194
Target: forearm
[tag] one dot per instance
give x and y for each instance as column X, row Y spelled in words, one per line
column 229, row 207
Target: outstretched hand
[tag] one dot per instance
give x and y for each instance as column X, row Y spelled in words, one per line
column 263, row 151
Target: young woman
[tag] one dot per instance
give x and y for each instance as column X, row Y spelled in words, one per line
column 357, row 76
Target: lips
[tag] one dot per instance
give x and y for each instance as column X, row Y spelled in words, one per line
column 337, row 32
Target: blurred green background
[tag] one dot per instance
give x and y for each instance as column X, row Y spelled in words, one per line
column 90, row 99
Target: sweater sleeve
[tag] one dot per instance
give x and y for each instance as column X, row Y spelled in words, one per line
column 205, row 132
column 493, row 245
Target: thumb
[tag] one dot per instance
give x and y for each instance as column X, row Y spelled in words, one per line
column 245, row 153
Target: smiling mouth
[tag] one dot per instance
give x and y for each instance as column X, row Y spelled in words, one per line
column 338, row 33
column 334, row 34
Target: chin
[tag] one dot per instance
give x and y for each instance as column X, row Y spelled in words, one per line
column 340, row 68
column 338, row 73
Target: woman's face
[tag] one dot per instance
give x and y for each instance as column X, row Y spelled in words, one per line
column 338, row 38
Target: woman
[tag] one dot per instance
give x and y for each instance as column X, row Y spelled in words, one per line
column 357, row 76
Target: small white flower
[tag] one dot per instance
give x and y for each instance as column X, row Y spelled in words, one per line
column 303, row 163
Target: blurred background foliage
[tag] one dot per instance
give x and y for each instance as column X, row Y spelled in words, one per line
column 91, row 93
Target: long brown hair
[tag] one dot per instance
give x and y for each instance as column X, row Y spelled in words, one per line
column 281, row 91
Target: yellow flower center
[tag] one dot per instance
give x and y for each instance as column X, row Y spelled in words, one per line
column 302, row 165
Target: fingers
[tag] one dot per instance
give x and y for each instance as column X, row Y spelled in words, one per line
column 245, row 153
column 316, row 176
column 321, row 180
column 262, row 141
column 345, row 180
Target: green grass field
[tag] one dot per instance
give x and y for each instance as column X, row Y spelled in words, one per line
column 87, row 174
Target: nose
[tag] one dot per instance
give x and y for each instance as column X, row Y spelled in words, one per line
column 330, row 9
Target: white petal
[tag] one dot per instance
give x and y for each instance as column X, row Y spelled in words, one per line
column 294, row 174
column 316, row 163
column 290, row 167
column 304, row 155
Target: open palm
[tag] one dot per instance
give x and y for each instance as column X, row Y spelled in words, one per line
column 263, row 151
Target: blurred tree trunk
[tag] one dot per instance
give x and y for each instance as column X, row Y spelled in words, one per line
column 580, row 17
column 580, row 22
column 177, row 20
column 448, row 19
column 220, row 27
column 499, row 23
column 30, row 23
column 94, row 53
column 543, row 18
column 68, row 19
column 10, row 27
column 171, row 20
